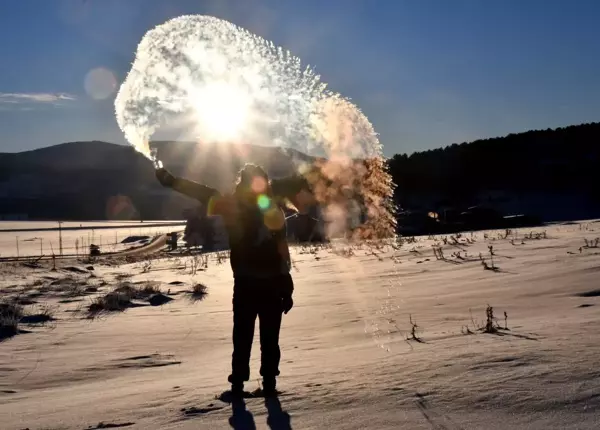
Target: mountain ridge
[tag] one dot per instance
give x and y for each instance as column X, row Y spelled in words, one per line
column 549, row 172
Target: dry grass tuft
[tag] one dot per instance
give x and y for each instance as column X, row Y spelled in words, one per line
column 10, row 316
column 149, row 289
column 112, row 302
column 414, row 331
column 41, row 315
column 490, row 325
column 198, row 292
column 135, row 292
column 123, row 296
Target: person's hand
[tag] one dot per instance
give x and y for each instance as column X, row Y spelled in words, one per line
column 164, row 177
column 288, row 304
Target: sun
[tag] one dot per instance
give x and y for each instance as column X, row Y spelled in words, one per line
column 220, row 111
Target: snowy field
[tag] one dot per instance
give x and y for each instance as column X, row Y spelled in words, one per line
column 37, row 238
column 349, row 359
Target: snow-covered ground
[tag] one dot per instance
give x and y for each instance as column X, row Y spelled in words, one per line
column 35, row 237
column 29, row 225
column 348, row 361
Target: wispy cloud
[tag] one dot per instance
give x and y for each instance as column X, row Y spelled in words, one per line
column 47, row 98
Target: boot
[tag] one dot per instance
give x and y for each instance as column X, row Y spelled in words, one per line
column 269, row 387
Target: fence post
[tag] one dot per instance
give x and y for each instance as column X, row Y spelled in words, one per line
column 60, row 243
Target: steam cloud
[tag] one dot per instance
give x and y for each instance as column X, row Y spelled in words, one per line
column 237, row 86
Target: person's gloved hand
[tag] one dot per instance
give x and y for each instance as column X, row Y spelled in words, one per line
column 164, row 177
column 288, row 304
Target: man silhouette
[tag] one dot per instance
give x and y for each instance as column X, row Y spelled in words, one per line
column 255, row 222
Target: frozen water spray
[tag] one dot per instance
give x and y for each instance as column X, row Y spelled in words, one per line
column 232, row 85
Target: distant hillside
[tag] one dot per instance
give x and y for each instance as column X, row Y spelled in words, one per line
column 550, row 173
column 80, row 180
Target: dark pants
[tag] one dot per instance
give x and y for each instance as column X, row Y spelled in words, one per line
column 252, row 298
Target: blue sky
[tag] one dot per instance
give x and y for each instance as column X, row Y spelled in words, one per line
column 427, row 73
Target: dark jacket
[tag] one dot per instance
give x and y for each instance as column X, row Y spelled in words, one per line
column 257, row 238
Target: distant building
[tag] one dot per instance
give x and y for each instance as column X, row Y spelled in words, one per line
column 205, row 231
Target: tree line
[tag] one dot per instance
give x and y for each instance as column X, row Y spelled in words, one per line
column 560, row 160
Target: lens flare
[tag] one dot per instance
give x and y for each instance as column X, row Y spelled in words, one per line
column 274, row 218
column 263, row 202
column 258, row 185
column 100, row 83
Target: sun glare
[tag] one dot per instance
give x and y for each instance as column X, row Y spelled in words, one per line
column 221, row 111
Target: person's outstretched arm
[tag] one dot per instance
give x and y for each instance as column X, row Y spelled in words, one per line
column 289, row 186
column 292, row 188
column 192, row 189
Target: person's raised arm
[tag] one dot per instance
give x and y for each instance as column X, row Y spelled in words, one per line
column 292, row 188
column 192, row 189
